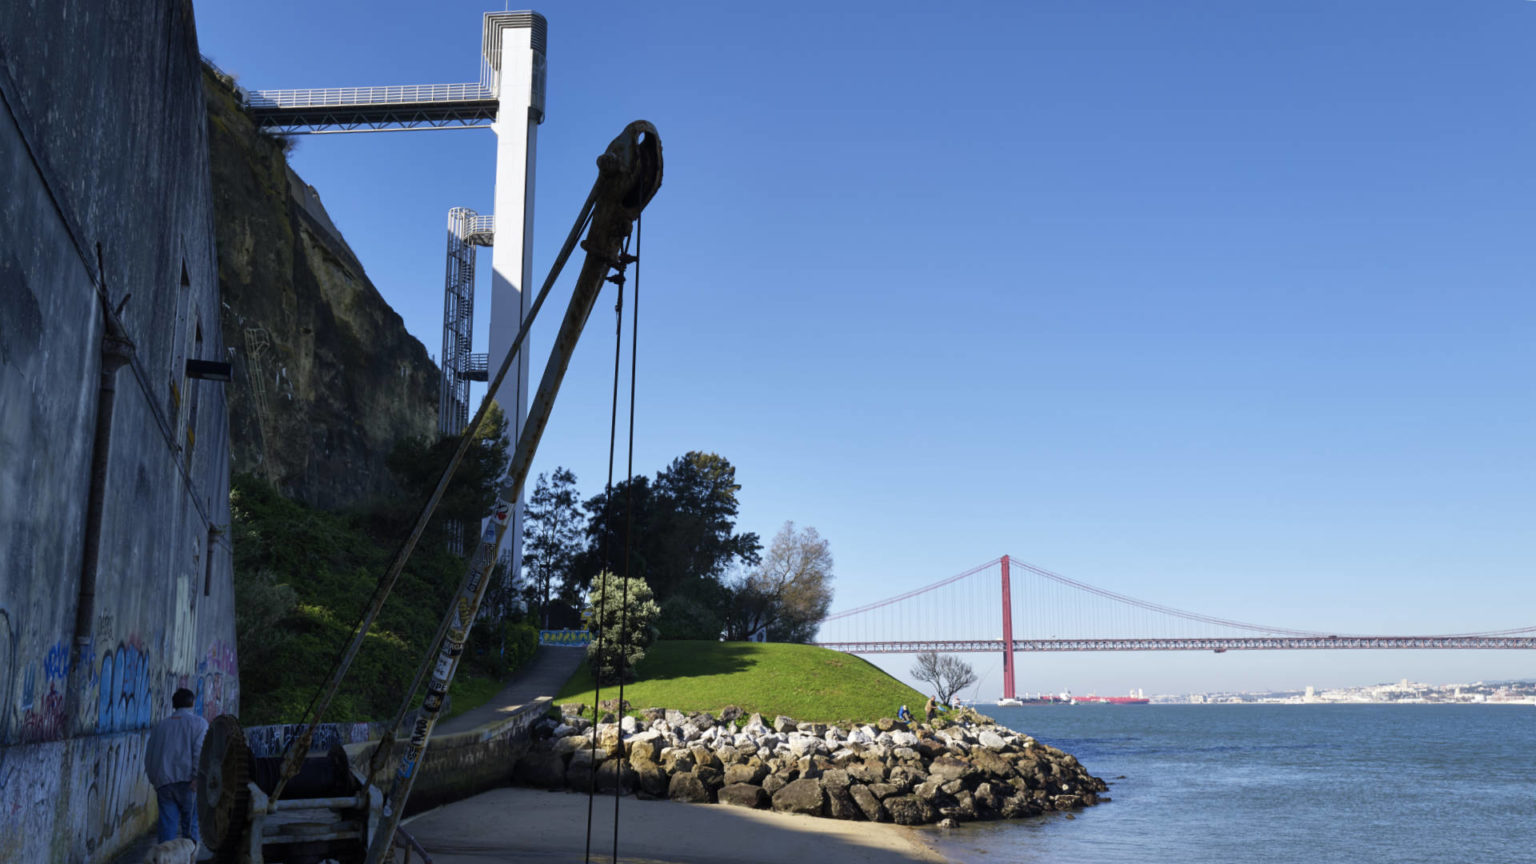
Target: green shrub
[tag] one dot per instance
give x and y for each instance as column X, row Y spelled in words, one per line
column 622, row 611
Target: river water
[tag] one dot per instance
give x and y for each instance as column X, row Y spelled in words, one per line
column 1279, row 784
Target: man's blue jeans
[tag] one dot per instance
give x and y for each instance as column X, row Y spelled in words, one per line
column 178, row 811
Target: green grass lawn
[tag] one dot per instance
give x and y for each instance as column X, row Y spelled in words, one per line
column 801, row 681
column 470, row 691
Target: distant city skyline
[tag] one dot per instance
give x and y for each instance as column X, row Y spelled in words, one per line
column 1228, row 309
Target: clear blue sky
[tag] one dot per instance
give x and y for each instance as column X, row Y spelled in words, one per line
column 1224, row 305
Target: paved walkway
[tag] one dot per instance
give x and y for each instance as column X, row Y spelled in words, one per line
column 544, row 675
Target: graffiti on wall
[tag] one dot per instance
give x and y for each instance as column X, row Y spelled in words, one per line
column 42, row 698
column 218, row 681
column 124, row 697
column 118, row 792
column 274, row 740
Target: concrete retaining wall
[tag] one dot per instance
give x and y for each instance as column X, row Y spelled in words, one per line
column 103, row 146
column 463, row 764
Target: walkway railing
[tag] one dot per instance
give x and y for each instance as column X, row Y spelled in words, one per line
column 333, row 97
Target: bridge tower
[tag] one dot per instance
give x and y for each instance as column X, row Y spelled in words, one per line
column 1007, row 633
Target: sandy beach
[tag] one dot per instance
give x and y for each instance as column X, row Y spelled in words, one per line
column 534, row 825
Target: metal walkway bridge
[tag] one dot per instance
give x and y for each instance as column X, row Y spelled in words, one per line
column 1007, row 606
column 370, row 109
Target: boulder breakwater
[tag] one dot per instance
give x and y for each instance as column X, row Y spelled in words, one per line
column 962, row 768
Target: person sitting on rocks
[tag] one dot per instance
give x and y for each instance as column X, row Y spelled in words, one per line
column 904, row 715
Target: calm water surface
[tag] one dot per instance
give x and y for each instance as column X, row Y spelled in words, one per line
column 1280, row 784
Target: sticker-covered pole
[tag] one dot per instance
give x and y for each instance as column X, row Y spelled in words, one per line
column 629, row 173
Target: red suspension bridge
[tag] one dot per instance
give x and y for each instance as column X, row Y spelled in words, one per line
column 1006, row 605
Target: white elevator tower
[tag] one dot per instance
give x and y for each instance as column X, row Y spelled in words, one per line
column 509, row 98
column 513, row 53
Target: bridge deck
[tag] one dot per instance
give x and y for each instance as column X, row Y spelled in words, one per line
column 1258, row 643
column 351, row 109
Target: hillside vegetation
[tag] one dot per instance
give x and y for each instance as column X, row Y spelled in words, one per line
column 303, row 577
column 801, row 681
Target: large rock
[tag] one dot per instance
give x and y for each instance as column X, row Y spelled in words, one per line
column 542, row 768
column 745, row 773
column 578, row 774
column 651, row 779
column 1018, row 805
column 744, row 795
column 908, row 810
column 615, row 774
column 801, row 796
column 729, row 713
column 840, row 804
column 866, row 771
column 571, row 743
column 676, row 759
column 950, row 768
column 644, row 745
column 714, row 778
column 610, row 737
column 688, row 787
column 774, row 782
column 784, row 724
column 991, row 740
column 835, row 777
column 990, row 762
column 929, row 789
column 963, row 808
column 986, row 797
column 868, row 803
column 804, row 745
column 705, row 757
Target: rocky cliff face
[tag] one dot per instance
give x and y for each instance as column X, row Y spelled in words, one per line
column 326, row 378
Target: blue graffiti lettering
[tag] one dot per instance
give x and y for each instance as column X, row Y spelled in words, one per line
column 56, row 664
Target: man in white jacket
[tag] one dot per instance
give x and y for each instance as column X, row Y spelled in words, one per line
column 171, row 763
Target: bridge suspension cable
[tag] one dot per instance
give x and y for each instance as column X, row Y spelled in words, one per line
column 1052, row 612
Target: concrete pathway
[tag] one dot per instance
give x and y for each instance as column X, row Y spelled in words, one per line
column 544, row 675
column 535, row 826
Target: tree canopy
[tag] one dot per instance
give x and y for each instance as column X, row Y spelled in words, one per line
column 679, row 530
column 947, row 673
column 789, row 592
column 552, row 532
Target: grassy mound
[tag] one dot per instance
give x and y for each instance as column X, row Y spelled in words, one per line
column 802, row 681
